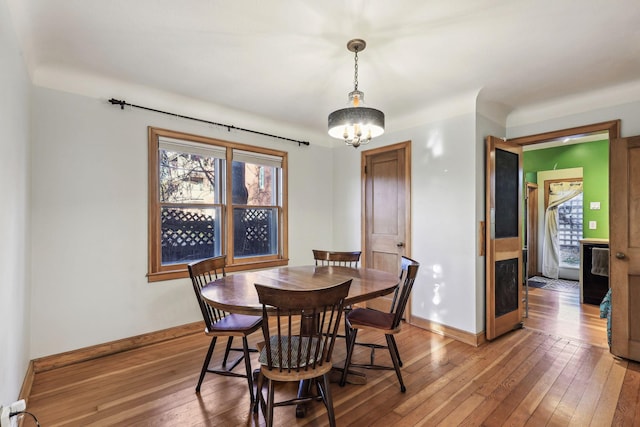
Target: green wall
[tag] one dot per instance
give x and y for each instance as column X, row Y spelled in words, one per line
column 593, row 158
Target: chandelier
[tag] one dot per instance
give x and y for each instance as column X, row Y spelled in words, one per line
column 356, row 125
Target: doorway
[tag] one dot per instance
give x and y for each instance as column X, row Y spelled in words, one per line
column 553, row 311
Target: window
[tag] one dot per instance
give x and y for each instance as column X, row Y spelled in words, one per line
column 570, row 231
column 209, row 197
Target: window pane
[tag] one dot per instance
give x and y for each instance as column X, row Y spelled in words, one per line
column 570, row 231
column 190, row 234
column 255, row 232
column 188, row 178
column 260, row 184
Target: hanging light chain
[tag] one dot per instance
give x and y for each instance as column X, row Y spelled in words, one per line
column 355, row 74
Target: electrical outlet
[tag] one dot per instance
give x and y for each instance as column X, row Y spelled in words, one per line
column 4, row 416
column 5, row 420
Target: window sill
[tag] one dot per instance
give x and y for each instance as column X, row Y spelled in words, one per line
column 182, row 272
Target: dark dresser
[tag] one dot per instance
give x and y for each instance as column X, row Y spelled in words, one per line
column 593, row 287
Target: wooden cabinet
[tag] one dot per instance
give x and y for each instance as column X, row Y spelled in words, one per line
column 593, row 287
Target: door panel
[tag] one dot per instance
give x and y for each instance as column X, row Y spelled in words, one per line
column 624, row 243
column 503, row 237
column 386, row 206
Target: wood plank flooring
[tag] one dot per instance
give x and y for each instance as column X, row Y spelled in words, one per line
column 541, row 375
column 560, row 313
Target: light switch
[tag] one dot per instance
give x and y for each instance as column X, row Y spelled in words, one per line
column 594, row 205
column 593, row 225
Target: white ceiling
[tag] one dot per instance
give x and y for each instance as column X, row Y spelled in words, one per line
column 287, row 59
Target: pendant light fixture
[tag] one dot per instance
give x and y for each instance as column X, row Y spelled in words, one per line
column 356, row 125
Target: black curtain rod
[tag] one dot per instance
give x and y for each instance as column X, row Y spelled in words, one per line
column 114, row 101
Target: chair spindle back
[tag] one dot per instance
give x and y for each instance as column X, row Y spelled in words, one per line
column 201, row 273
column 408, row 274
column 300, row 327
column 339, row 259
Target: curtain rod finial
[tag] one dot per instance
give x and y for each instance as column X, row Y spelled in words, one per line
column 114, row 101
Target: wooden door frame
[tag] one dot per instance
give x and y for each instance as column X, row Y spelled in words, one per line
column 613, row 127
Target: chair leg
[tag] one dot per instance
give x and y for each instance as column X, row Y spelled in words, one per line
column 346, row 332
column 328, row 400
column 259, row 401
column 393, row 351
column 395, row 346
column 351, row 343
column 226, row 352
column 247, row 365
column 346, row 324
column 270, row 397
column 205, row 365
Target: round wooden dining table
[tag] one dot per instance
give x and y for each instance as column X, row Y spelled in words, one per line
column 236, row 293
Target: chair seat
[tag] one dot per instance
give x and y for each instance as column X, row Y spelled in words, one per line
column 369, row 318
column 237, row 324
column 287, row 376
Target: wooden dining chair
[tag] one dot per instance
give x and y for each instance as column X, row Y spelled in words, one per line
column 221, row 324
column 340, row 259
column 387, row 323
column 299, row 329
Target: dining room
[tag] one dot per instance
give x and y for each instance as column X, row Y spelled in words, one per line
column 78, row 282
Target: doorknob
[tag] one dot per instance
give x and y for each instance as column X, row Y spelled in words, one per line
column 400, row 244
column 620, row 255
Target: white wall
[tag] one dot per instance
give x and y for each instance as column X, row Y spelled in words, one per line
column 346, row 189
column 89, row 245
column 14, row 213
column 443, row 212
column 533, row 121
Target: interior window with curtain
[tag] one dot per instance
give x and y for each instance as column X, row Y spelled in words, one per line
column 209, row 197
column 559, row 193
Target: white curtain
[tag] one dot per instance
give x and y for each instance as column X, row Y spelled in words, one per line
column 559, row 192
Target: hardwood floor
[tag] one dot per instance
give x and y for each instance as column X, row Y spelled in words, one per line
column 560, row 313
column 557, row 375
